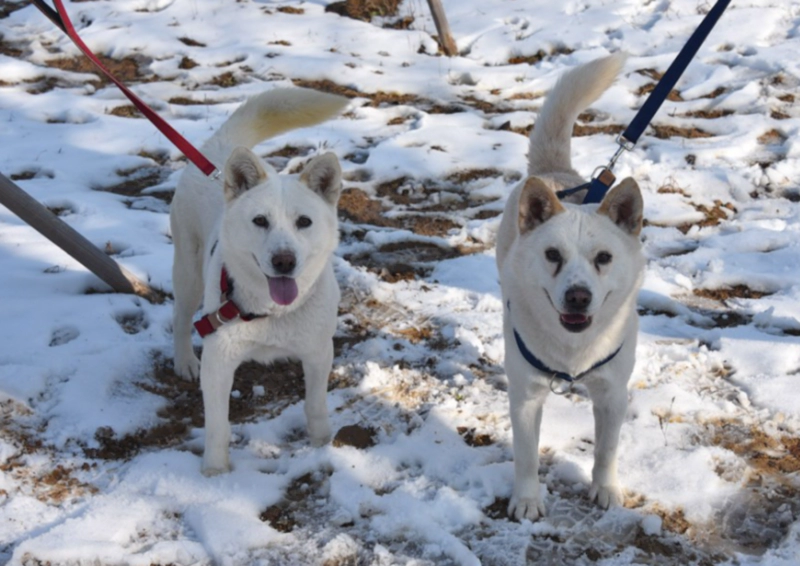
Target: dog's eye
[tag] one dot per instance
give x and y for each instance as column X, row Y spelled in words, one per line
column 603, row 258
column 303, row 222
column 553, row 255
column 261, row 221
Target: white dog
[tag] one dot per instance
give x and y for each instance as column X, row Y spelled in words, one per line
column 569, row 276
column 258, row 253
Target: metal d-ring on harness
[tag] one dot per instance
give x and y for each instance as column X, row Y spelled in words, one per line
column 603, row 178
column 556, row 375
column 60, row 18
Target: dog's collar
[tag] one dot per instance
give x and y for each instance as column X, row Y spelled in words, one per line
column 227, row 312
column 542, row 367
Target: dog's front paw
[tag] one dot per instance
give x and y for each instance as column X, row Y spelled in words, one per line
column 606, row 495
column 530, row 508
column 211, row 472
column 319, row 431
column 188, row 367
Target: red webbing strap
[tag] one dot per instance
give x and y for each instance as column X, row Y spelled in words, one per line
column 180, row 142
column 210, row 322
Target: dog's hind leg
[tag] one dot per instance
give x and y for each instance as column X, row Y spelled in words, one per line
column 610, row 402
column 316, row 370
column 187, row 284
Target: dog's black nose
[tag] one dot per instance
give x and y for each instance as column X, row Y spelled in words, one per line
column 577, row 298
column 284, row 262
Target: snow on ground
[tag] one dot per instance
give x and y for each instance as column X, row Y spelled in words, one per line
column 100, row 442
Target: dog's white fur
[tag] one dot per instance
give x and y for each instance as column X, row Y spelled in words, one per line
column 536, row 288
column 214, row 226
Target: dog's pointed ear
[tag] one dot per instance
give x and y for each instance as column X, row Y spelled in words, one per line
column 323, row 175
column 243, row 171
column 537, row 204
column 624, row 206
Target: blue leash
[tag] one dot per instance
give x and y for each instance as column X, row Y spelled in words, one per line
column 601, row 183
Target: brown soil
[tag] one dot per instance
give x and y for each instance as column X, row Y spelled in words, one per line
column 474, row 438
column 664, row 132
column 127, row 70
column 713, row 216
column 735, row 292
column 291, row 10
column 498, row 509
column 185, row 101
column 191, row 42
column 136, row 180
column 709, row 114
column 716, row 93
column 469, row 175
column 225, row 80
column 539, row 56
column 126, row 111
column 6, row 48
column 282, row 382
column 364, row 9
column 356, row 206
column 187, row 63
column 772, row 137
column 356, row 436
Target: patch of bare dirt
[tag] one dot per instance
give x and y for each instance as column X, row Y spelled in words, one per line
column 128, row 69
column 726, row 293
column 364, row 10
column 662, row 131
column 356, row 436
column 126, row 111
column 772, row 137
column 712, row 216
column 474, row 438
column 136, row 180
column 709, row 114
column 226, row 80
column 282, row 385
column 8, row 7
column 290, row 10
column 539, row 56
column 293, row 510
column 191, row 42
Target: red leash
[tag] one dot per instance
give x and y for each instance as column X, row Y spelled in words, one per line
column 61, row 19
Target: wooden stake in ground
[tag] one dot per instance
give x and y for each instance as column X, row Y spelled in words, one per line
column 442, row 28
column 65, row 237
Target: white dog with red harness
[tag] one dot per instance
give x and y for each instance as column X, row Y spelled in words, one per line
column 257, row 249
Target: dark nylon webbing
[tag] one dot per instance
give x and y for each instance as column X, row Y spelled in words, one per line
column 60, row 18
column 597, row 189
column 670, row 78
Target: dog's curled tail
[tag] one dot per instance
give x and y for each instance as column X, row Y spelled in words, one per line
column 279, row 110
column 574, row 92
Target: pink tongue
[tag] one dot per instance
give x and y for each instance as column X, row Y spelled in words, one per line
column 283, row 290
column 573, row 318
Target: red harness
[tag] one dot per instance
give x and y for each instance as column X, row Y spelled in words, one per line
column 227, row 312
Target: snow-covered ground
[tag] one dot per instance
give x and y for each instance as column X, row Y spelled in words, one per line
column 100, row 442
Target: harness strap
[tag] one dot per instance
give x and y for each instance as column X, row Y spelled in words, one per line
column 226, row 313
column 61, row 19
column 542, row 367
